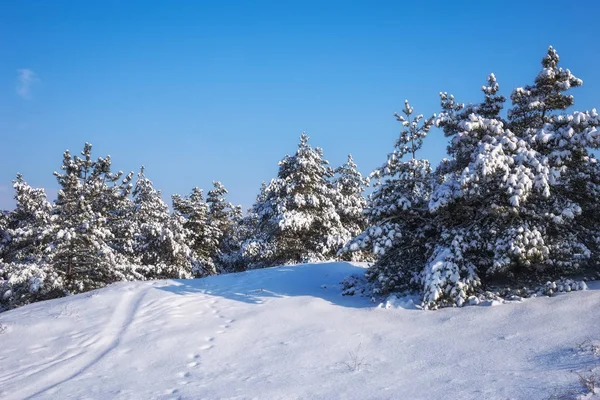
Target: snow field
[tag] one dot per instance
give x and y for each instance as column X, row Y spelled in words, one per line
column 288, row 333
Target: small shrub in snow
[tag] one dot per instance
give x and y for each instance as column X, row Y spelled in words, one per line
column 590, row 380
column 588, row 346
column 356, row 285
column 356, row 360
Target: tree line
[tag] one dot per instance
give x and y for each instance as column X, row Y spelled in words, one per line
column 106, row 227
column 514, row 201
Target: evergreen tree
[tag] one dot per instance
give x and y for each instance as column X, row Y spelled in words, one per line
column 230, row 259
column 25, row 274
column 81, row 253
column 120, row 214
column 509, row 202
column 27, row 231
column 563, row 142
column 297, row 217
column 4, row 238
column 399, row 224
column 223, row 220
column 348, row 186
column 194, row 211
column 256, row 245
column 534, row 104
column 218, row 218
column 160, row 239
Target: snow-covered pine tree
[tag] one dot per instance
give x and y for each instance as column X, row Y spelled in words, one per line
column 464, row 204
column 567, row 213
column 194, row 211
column 3, row 234
column 348, row 188
column 25, row 275
column 507, row 206
column 217, row 219
column 27, row 231
column 533, row 105
column 120, row 214
column 230, row 258
column 256, row 248
column 81, row 253
column 223, row 220
column 160, row 239
column 399, row 225
column 297, row 217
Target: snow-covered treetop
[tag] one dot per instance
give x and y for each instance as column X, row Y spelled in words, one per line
column 533, row 104
column 493, row 103
column 349, row 181
column 411, row 137
column 147, row 201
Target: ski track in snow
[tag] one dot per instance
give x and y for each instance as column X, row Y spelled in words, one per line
column 34, row 380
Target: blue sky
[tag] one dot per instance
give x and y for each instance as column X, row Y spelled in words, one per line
column 221, row 90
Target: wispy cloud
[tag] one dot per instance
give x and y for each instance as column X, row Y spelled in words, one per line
column 26, row 78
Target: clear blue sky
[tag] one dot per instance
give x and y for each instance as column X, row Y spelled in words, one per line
column 221, row 90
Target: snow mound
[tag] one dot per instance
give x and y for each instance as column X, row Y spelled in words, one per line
column 289, row 333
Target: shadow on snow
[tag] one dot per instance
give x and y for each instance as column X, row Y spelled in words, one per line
column 310, row 280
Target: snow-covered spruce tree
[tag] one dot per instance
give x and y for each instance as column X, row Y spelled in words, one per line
column 400, row 227
column 160, row 238
column 25, row 275
column 296, row 216
column 348, row 188
column 194, row 212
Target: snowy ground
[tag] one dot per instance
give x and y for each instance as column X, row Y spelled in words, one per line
column 287, row 333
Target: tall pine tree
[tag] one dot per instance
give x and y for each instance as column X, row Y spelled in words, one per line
column 81, row 253
column 399, row 224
